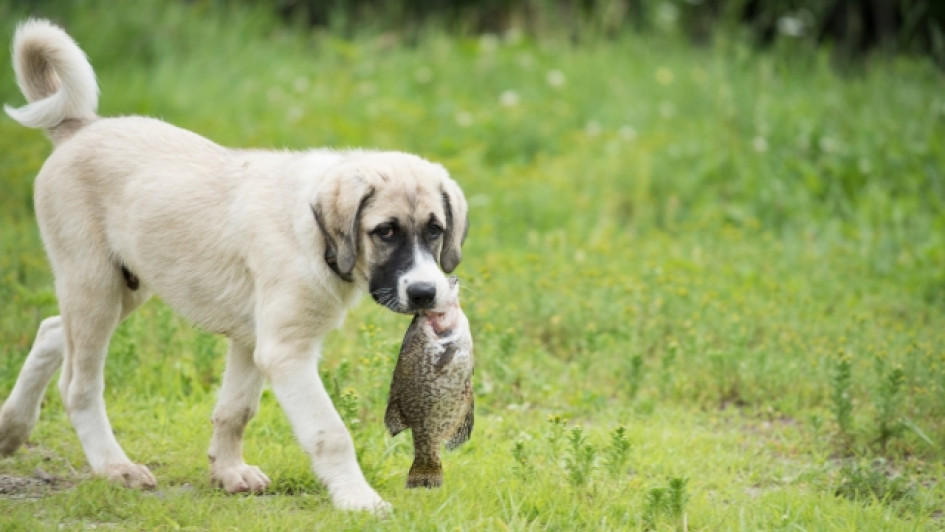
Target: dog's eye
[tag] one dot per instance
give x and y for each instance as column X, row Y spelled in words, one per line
column 434, row 231
column 385, row 232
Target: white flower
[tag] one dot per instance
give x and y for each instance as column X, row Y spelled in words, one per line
column 667, row 14
column 792, row 26
column 509, row 98
column 759, row 144
column 488, row 43
column 423, row 75
column 828, row 145
column 464, row 119
column 555, row 78
column 514, row 36
column 300, row 84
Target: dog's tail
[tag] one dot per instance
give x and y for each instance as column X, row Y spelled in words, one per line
column 56, row 78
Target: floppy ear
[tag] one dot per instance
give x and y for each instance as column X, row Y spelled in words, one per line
column 337, row 210
column 457, row 225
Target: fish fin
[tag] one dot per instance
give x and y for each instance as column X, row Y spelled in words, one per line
column 445, row 357
column 464, row 430
column 394, row 419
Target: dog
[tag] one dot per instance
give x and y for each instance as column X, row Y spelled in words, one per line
column 267, row 248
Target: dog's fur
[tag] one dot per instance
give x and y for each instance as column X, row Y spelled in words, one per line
column 267, row 248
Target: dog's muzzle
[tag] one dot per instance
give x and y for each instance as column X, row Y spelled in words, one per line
column 421, row 296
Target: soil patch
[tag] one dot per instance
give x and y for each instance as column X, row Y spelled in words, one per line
column 38, row 486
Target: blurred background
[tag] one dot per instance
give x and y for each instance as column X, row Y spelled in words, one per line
column 707, row 242
column 851, row 27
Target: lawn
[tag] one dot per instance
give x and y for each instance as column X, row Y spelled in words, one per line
column 706, row 284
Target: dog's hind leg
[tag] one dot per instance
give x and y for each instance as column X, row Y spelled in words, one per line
column 237, row 404
column 21, row 409
column 92, row 302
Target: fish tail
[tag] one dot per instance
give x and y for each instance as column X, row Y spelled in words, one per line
column 425, row 474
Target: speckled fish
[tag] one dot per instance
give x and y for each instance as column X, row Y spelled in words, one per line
column 431, row 391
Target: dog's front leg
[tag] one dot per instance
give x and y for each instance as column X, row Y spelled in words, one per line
column 237, row 404
column 292, row 369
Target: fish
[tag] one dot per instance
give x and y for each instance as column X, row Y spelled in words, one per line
column 431, row 390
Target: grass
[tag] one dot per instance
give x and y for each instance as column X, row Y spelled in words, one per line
column 706, row 284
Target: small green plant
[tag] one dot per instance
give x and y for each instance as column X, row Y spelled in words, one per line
column 124, row 351
column 887, row 400
column 580, row 459
column 725, row 366
column 166, row 327
column 677, row 497
column 338, row 378
column 617, row 453
column 668, row 360
column 557, row 428
column 205, row 355
column 654, row 506
column 523, row 467
column 669, row 356
column 508, row 340
column 669, row 501
column 349, row 406
column 840, row 381
column 635, row 376
column 873, row 483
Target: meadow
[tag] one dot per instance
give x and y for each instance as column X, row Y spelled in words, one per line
column 706, row 284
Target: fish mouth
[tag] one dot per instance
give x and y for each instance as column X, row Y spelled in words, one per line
column 441, row 323
column 444, row 319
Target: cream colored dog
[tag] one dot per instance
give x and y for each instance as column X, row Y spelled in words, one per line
column 267, row 248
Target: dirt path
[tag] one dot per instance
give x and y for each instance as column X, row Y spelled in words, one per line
column 39, row 485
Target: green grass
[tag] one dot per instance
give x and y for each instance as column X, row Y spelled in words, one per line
column 706, row 284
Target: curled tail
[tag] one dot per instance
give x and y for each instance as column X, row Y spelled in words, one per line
column 54, row 75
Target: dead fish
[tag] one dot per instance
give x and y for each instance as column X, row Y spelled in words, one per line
column 431, row 390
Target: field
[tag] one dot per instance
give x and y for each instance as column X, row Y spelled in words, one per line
column 706, row 284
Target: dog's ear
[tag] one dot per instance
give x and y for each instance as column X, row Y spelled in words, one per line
column 337, row 210
column 457, row 225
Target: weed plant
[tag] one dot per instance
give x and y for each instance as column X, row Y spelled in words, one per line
column 840, row 381
column 617, row 452
column 580, row 459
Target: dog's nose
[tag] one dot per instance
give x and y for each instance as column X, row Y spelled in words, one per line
column 421, row 295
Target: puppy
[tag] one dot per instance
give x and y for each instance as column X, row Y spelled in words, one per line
column 267, row 248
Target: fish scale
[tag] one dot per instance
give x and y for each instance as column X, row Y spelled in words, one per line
column 431, row 390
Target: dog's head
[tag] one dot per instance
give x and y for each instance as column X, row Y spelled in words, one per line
column 394, row 223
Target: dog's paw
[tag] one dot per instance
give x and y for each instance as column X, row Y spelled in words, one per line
column 131, row 475
column 361, row 499
column 13, row 432
column 241, row 478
